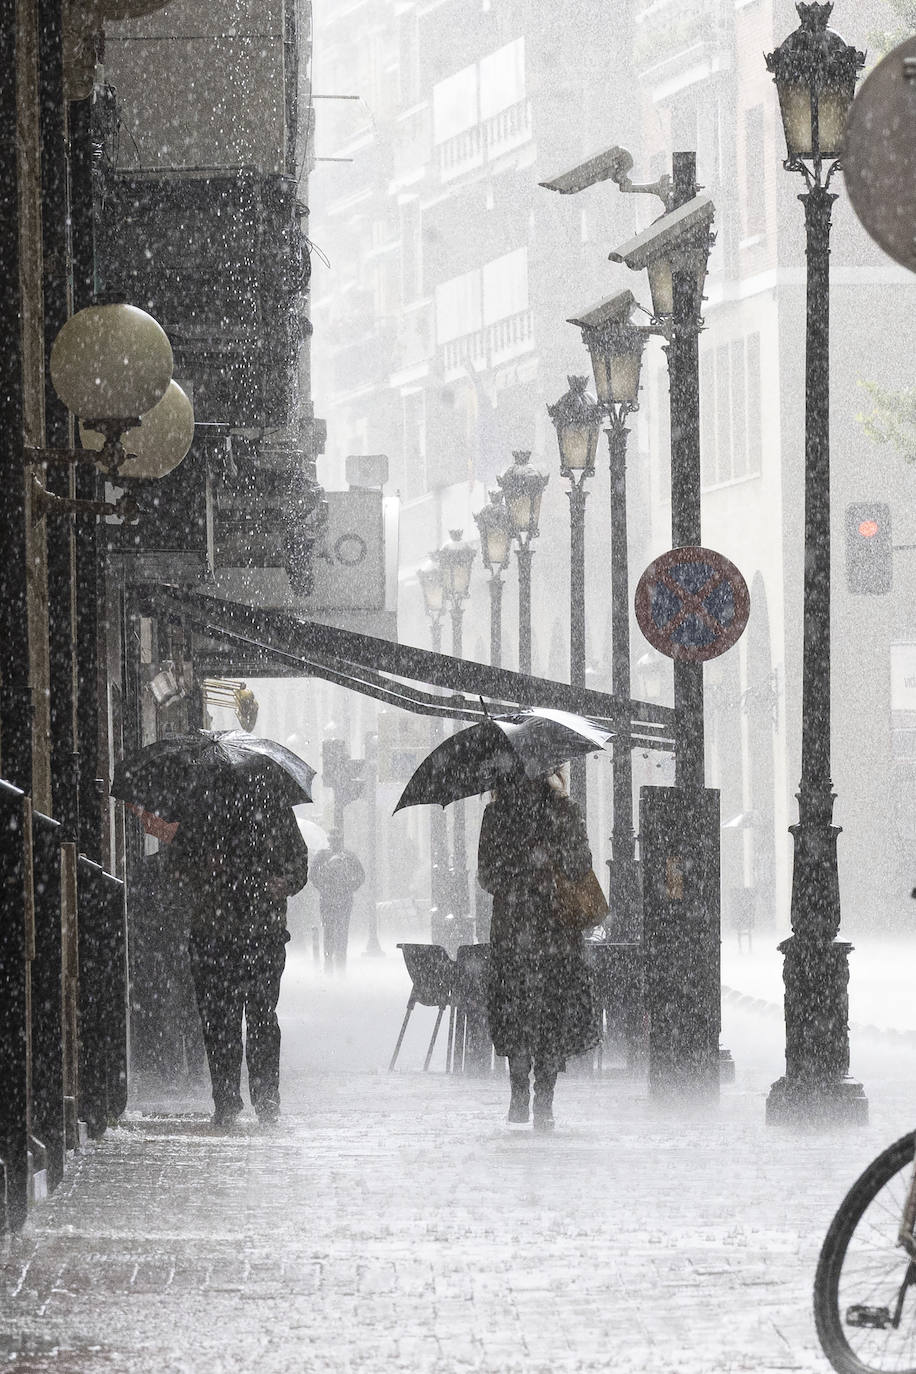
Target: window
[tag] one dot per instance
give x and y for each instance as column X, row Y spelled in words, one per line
column 479, row 92
column 502, row 79
column 477, row 299
column 755, row 208
column 505, row 286
column 724, row 452
column 707, row 419
column 754, row 405
column 731, row 411
column 458, row 307
column 738, row 409
column 455, row 105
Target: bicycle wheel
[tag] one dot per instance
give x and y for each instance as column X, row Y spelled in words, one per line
column 864, row 1293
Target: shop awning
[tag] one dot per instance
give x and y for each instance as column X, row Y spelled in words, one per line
column 229, row 636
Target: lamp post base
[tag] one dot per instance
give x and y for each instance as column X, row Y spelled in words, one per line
column 816, row 1089
column 817, row 1105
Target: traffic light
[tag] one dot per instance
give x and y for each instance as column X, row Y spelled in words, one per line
column 341, row 773
column 869, row 552
column 352, row 782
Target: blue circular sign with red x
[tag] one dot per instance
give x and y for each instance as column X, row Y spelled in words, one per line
column 692, row 604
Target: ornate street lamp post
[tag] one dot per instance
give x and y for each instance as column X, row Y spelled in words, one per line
column 496, row 548
column 616, row 347
column 429, row 576
column 523, row 487
column 577, row 420
column 455, row 560
column 675, row 251
column 815, row 74
column 679, row 826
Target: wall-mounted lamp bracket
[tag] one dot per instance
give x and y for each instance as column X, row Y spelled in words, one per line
column 46, row 502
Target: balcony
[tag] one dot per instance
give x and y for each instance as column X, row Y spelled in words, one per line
column 485, row 142
column 675, row 37
column 507, row 130
column 462, row 153
column 487, row 348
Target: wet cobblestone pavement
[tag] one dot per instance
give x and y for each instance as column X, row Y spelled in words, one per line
column 393, row 1222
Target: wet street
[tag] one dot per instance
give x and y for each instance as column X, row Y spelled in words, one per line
column 394, row 1222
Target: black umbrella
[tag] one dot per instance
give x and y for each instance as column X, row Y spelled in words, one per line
column 497, row 749
column 172, row 775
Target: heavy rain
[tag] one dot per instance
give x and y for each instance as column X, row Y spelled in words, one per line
column 458, row 687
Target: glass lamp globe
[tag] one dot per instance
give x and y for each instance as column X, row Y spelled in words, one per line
column 815, row 73
column 523, row 487
column 616, row 361
column 495, row 533
column 429, row 575
column 577, row 420
column 111, row 362
column 159, row 443
column 455, row 559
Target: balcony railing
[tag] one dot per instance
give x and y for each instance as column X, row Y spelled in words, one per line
column 486, row 141
column 461, row 153
column 497, row 343
column 508, row 129
column 670, row 30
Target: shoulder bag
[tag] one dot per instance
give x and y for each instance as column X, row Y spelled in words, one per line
column 579, row 903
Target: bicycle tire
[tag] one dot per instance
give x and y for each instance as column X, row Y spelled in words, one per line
column 885, row 1272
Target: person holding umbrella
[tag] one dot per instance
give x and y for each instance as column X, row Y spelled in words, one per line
column 534, row 859
column 235, row 856
column 540, row 1003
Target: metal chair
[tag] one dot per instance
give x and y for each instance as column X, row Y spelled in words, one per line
column 432, row 973
column 473, row 1047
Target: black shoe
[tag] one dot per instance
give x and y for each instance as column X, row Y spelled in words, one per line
column 518, row 1108
column 268, row 1111
column 225, row 1116
column 543, row 1106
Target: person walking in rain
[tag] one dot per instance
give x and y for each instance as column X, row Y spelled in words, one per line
column 237, row 860
column 338, row 875
column 540, row 1003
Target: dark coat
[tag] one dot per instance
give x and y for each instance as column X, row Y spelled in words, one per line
column 540, row 998
column 337, row 874
column 227, row 857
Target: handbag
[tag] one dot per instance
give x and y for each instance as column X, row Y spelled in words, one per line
column 579, row 903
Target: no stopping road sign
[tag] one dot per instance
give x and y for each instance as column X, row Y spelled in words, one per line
column 692, row 604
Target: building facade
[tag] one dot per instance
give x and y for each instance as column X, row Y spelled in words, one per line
column 456, row 274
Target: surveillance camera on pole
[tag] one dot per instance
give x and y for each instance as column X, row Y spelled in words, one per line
column 614, row 164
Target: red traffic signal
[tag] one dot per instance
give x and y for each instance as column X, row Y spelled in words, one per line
column 869, row 551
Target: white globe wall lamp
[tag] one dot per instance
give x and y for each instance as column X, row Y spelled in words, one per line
column 111, row 365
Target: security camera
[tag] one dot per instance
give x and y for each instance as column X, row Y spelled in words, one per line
column 613, row 164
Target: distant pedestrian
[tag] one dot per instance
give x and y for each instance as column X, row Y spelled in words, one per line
column 337, row 874
column 237, row 859
column 540, row 1004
